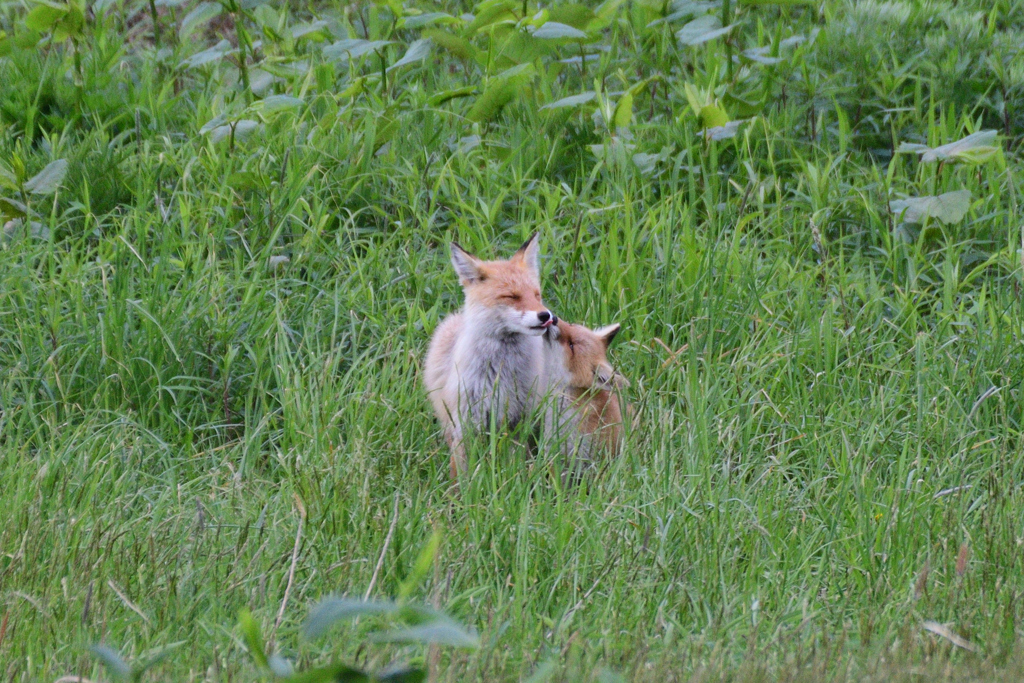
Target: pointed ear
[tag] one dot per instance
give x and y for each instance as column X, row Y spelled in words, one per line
column 529, row 253
column 608, row 333
column 605, row 377
column 466, row 265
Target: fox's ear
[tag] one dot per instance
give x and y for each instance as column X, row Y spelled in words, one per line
column 605, row 377
column 529, row 253
column 466, row 265
column 607, row 333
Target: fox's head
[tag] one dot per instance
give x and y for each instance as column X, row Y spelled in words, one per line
column 578, row 356
column 507, row 292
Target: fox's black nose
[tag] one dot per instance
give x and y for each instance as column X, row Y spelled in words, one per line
column 554, row 319
column 543, row 317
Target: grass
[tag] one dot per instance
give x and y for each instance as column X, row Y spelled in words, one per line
column 203, row 340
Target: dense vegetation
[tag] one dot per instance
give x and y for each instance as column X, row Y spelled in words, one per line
column 224, row 247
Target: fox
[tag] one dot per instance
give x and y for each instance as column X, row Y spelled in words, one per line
column 487, row 359
column 584, row 414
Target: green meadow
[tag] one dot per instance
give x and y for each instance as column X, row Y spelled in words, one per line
column 224, row 247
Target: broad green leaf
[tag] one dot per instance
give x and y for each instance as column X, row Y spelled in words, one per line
column 713, row 117
column 572, row 14
column 417, row 52
column 242, row 129
column 7, row 178
column 427, row 19
column 440, row 98
column 26, row 40
column 253, row 639
column 200, row 15
column 276, row 103
column 974, row 149
column 350, row 48
column 553, row 30
column 500, row 91
column 208, row 55
column 683, row 10
column 332, row 673
column 117, row 666
column 437, row 632
column 12, row 208
column 604, row 13
column 70, row 24
column 723, row 132
column 402, row 675
column 457, row 45
column 764, row 3
column 492, row 12
column 44, row 17
column 313, row 30
column 571, row 101
column 762, row 55
column 701, row 30
column 333, row 610
column 623, row 112
column 215, row 122
column 280, row 666
column 947, row 208
column 49, row 179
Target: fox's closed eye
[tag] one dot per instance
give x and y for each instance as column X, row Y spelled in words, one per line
column 512, row 297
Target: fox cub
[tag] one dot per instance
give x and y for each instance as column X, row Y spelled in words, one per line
column 488, row 358
column 585, row 415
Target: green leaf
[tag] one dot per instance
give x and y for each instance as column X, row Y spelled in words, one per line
column 553, row 30
column 492, row 12
column 26, row 40
column 572, row 14
column 276, row 103
column 45, row 16
column 702, row 30
column 499, row 92
column 49, row 179
column 623, row 112
column 784, row 3
column 253, row 638
column 117, row 666
column 333, row 610
column 713, row 117
column 947, row 208
column 12, row 208
column 723, row 132
column 201, row 14
column 974, row 149
column 440, row 98
column 350, row 48
column 457, row 45
column 312, row 30
column 338, row 673
column 70, row 24
column 242, row 129
column 421, row 20
column 402, row 675
column 208, row 55
column 422, row 567
column 572, row 100
column 437, row 632
column 417, row 52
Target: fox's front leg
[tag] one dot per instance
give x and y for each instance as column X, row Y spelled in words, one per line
column 453, row 435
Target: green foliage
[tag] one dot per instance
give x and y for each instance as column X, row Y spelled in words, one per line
column 223, row 250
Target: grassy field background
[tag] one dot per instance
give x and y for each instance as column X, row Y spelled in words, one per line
column 213, row 319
